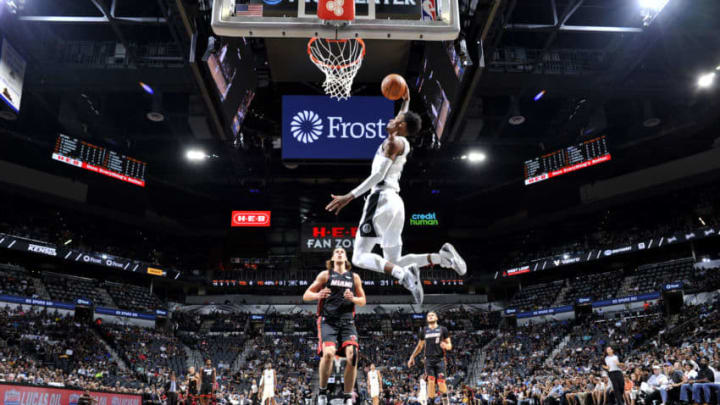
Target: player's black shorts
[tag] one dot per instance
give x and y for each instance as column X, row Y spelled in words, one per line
column 206, row 389
column 338, row 333
column 435, row 367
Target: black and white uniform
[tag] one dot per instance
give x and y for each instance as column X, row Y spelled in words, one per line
column 336, row 315
column 207, row 381
column 434, row 354
column 384, row 212
column 616, row 378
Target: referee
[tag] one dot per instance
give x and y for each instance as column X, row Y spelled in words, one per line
column 612, row 365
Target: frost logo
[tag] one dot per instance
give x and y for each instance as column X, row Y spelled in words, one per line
column 306, row 127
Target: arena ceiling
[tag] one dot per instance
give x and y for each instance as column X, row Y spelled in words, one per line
column 603, row 72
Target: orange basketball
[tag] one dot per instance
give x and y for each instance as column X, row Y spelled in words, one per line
column 393, row 86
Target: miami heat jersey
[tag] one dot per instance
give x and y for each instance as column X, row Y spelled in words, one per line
column 432, row 338
column 336, row 306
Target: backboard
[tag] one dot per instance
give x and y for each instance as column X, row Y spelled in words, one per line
column 424, row 20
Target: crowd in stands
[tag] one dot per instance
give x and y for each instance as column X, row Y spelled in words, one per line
column 88, row 231
column 621, row 226
column 151, row 354
column 49, row 348
column 14, row 281
column 572, row 373
column 69, row 289
column 17, row 281
column 607, row 285
column 537, row 296
column 553, row 363
column 133, row 297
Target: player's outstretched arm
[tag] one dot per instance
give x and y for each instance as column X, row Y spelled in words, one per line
column 418, row 348
column 406, row 102
column 315, row 291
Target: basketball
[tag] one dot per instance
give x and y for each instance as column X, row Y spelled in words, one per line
column 393, row 86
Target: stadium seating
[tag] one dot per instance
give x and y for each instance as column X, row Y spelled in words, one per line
column 653, row 277
column 69, row 288
column 594, row 286
column 133, row 297
column 147, row 352
column 15, row 281
column 537, row 296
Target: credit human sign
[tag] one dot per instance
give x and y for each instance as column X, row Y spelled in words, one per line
column 429, row 219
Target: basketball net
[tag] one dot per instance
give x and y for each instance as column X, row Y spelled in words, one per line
column 340, row 60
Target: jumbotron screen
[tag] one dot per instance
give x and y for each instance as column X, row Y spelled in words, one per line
column 570, row 159
column 100, row 160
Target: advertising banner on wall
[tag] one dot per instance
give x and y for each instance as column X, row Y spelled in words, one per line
column 326, row 237
column 319, row 127
column 33, row 395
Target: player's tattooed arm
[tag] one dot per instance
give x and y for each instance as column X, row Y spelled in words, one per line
column 316, row 291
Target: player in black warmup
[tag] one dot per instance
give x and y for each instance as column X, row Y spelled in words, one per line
column 436, row 341
column 337, row 291
column 208, row 376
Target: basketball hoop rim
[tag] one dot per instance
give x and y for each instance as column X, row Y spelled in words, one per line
column 337, row 67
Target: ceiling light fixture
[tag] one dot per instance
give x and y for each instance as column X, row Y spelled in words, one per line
column 476, row 157
column 148, row 89
column 516, row 118
column 706, row 80
column 654, row 5
column 195, row 155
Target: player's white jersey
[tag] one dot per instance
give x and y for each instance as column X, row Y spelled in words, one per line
column 392, row 178
column 374, row 383
column 268, row 379
column 422, row 394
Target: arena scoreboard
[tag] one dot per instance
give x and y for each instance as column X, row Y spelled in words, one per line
column 570, row 159
column 98, row 159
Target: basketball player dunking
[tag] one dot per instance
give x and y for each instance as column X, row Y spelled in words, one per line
column 268, row 382
column 384, row 213
column 436, row 341
column 375, row 384
column 337, row 291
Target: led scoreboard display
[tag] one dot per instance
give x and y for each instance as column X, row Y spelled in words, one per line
column 327, row 237
column 570, row 159
column 100, row 160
